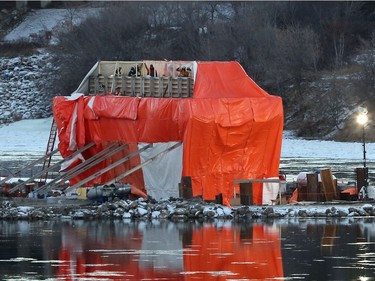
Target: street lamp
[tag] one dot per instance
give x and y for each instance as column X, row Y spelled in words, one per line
column 362, row 119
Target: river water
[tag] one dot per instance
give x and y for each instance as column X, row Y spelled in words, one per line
column 295, row 249
column 122, row 250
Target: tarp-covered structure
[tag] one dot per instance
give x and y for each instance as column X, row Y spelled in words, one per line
column 230, row 129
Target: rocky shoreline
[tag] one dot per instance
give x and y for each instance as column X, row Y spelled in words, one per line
column 173, row 209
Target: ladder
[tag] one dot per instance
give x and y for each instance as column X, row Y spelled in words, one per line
column 50, row 146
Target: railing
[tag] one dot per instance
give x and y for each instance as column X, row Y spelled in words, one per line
column 143, row 86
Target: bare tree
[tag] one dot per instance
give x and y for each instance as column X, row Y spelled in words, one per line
column 115, row 34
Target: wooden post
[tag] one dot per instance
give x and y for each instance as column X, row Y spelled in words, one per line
column 152, row 87
column 312, row 187
column 219, row 199
column 133, row 87
column 189, row 88
column 187, row 188
column 361, row 177
column 246, row 193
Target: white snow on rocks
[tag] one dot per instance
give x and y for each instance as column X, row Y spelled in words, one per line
column 20, row 83
column 177, row 209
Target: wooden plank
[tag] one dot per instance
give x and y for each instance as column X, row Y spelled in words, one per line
column 106, row 169
column 179, row 87
column 109, row 84
column 101, row 85
column 160, row 90
column 105, row 85
column 96, row 85
column 91, row 87
column 170, row 87
column 133, row 86
column 129, row 86
column 153, row 89
column 312, row 187
column 146, row 86
column 328, row 185
column 148, row 161
column 173, row 87
column 124, row 86
column 32, row 164
column 185, row 93
column 190, row 87
column 84, row 166
column 152, row 86
column 87, row 146
column 138, row 86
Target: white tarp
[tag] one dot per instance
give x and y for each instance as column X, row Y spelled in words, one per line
column 270, row 191
column 162, row 175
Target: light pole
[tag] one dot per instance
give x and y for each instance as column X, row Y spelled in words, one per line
column 362, row 119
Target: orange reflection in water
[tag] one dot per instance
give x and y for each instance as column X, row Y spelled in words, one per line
column 204, row 252
column 223, row 254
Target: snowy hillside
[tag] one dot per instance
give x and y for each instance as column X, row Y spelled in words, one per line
column 39, row 21
column 21, row 78
column 20, row 82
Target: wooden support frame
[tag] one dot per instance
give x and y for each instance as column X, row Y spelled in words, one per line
column 32, row 164
column 148, row 161
column 106, row 169
column 84, row 166
column 17, row 187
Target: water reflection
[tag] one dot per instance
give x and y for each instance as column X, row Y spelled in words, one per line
column 329, row 249
column 121, row 250
column 170, row 252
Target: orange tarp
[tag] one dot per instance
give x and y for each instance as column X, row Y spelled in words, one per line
column 230, row 129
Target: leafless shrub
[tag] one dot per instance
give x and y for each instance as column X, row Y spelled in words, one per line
column 17, row 48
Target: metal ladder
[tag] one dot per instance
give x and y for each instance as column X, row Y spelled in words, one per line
column 50, row 146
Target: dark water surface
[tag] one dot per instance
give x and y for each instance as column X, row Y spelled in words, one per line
column 122, row 250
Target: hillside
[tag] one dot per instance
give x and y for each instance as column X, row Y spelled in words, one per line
column 20, row 83
column 26, row 66
column 320, row 99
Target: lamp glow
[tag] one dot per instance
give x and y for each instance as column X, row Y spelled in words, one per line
column 362, row 118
